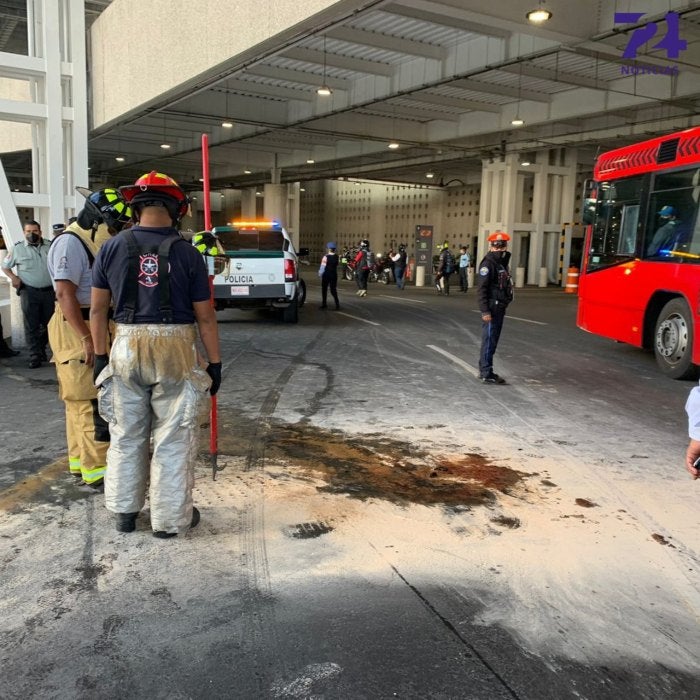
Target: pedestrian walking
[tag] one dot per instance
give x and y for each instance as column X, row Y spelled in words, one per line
column 362, row 267
column 400, row 260
column 32, row 283
column 70, row 261
column 494, row 292
column 464, row 264
column 328, row 272
column 150, row 385
column 446, row 266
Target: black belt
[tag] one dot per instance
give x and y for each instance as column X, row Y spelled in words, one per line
column 39, row 289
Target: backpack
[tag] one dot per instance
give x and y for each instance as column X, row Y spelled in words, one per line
column 369, row 258
column 449, row 263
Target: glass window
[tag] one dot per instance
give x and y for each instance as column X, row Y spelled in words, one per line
column 616, row 221
column 673, row 231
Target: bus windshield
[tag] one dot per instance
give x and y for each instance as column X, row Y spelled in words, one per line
column 649, row 217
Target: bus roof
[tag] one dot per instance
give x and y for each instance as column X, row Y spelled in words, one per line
column 672, row 150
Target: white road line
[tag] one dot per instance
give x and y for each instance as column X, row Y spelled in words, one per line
column 357, row 318
column 517, row 318
column 413, row 301
column 472, row 370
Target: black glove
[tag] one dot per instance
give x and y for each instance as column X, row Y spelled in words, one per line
column 214, row 371
column 101, row 361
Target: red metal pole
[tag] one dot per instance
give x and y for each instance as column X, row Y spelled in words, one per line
column 213, row 417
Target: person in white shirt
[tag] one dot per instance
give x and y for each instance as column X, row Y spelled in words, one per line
column 692, row 408
column 464, row 263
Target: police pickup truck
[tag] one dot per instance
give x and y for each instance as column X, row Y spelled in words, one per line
column 260, row 269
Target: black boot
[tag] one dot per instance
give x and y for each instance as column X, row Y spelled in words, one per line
column 161, row 534
column 7, row 351
column 126, row 522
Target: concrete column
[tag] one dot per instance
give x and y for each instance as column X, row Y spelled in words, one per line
column 275, row 204
column 248, row 204
column 539, row 204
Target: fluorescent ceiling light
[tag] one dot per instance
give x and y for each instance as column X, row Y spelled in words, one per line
column 539, row 15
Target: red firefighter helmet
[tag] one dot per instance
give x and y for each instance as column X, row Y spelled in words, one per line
column 498, row 236
column 158, row 189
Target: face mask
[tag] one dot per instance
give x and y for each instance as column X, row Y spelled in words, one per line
column 33, row 238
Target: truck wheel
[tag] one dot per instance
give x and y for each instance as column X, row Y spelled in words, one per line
column 673, row 341
column 302, row 293
column 290, row 314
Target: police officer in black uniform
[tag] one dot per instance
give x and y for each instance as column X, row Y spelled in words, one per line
column 495, row 292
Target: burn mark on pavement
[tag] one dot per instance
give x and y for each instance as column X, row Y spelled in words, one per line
column 378, row 467
column 307, row 531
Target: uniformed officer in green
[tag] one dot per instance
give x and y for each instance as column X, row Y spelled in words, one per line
column 33, row 284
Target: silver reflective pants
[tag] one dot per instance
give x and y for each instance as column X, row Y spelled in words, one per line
column 152, row 387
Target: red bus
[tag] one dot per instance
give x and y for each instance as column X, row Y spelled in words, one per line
column 640, row 276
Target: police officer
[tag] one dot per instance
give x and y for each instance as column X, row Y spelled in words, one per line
column 151, row 384
column 494, row 292
column 70, row 260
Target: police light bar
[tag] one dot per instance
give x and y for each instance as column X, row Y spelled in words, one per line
column 256, row 224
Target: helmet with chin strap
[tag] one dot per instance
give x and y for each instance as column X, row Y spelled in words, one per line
column 157, row 190
column 103, row 206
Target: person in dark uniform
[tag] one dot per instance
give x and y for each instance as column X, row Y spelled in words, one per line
column 494, row 292
column 446, row 266
column 151, row 384
column 328, row 272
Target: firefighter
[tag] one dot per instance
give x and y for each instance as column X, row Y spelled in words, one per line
column 150, row 385
column 70, row 260
column 494, row 292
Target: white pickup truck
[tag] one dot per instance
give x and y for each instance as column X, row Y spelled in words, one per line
column 260, row 269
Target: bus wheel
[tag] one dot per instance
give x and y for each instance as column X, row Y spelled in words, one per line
column 673, row 341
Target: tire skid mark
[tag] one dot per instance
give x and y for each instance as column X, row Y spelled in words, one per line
column 256, row 571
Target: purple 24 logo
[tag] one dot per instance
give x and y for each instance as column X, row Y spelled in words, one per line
column 672, row 42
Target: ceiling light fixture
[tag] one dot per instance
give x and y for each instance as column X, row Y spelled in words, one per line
column 310, row 161
column 538, row 15
column 165, row 145
column 227, row 124
column 246, row 172
column 430, row 176
column 393, row 145
column 324, row 90
column 119, row 159
column 517, row 120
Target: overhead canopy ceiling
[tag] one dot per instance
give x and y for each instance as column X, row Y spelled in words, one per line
column 442, row 78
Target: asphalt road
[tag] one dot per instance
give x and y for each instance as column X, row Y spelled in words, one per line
column 384, row 525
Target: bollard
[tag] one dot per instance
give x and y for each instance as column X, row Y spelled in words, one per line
column 519, row 276
column 420, row 276
column 571, row 281
column 543, row 277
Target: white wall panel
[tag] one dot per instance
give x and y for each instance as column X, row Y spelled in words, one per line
column 140, row 50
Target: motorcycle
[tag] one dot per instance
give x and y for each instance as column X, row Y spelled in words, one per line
column 347, row 260
column 382, row 271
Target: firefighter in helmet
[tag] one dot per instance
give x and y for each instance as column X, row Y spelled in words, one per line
column 150, row 385
column 70, row 261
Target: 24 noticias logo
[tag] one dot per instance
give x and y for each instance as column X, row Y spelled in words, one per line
column 670, row 42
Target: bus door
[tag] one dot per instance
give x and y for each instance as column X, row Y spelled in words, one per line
column 609, row 305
